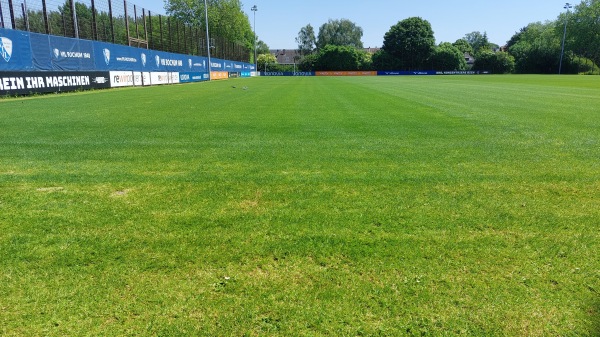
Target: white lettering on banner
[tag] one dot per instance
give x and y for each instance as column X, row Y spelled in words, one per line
column 127, row 59
column 216, row 65
column 73, row 54
column 12, row 83
column 123, row 78
column 172, row 63
column 185, row 77
column 67, row 81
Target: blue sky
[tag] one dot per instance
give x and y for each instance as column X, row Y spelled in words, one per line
column 278, row 21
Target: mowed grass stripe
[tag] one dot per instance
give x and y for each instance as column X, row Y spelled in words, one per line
column 303, row 206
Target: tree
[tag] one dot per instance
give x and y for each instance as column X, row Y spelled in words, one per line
column 536, row 49
column 262, row 47
column 411, row 42
column 497, row 63
column 308, row 62
column 448, row 57
column 464, row 46
column 478, row 41
column 383, row 60
column 340, row 33
column 583, row 29
column 264, row 60
column 306, row 40
column 226, row 19
column 338, row 58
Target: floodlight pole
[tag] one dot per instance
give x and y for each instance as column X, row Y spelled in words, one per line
column 255, row 9
column 562, row 52
column 207, row 39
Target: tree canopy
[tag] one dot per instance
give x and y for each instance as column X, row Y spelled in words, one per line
column 410, row 43
column 340, row 33
column 226, row 18
column 306, row 40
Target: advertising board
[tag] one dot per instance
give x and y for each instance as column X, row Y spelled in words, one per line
column 27, row 82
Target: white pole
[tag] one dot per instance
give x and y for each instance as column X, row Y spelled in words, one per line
column 207, row 39
column 562, row 51
column 255, row 9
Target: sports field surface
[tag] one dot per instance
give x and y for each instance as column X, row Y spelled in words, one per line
column 404, row 206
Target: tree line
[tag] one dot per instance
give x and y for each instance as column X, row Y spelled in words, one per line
column 410, row 45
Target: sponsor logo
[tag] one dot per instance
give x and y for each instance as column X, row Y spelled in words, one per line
column 157, row 58
column 143, row 59
column 190, row 63
column 106, row 53
column 56, row 53
column 100, row 80
column 6, row 48
column 203, row 64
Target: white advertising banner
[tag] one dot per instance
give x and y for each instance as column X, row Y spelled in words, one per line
column 121, row 79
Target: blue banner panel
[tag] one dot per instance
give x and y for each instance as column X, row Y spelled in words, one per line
column 193, row 77
column 41, row 52
column 406, row 73
column 114, row 57
column 15, row 50
column 217, row 65
column 69, row 54
column 29, row 82
column 288, row 73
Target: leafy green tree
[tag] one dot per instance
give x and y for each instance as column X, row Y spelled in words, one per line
column 382, row 60
column 306, row 40
column 497, row 63
column 226, row 18
column 340, row 33
column 411, row 42
column 583, row 33
column 536, row 49
column 266, row 61
column 261, row 47
column 448, row 57
column 478, row 41
column 338, row 58
column 464, row 46
column 308, row 62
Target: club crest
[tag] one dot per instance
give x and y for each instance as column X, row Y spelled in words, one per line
column 56, row 53
column 157, row 60
column 6, row 48
column 190, row 63
column 143, row 60
column 106, row 53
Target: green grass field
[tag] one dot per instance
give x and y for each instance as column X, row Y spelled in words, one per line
column 406, row 206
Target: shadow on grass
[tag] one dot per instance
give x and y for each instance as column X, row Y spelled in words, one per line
column 595, row 316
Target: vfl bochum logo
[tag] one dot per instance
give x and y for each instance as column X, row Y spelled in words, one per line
column 106, row 53
column 6, row 48
column 56, row 53
column 157, row 60
column 190, row 63
column 143, row 60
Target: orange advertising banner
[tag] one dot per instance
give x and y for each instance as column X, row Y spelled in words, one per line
column 219, row 75
column 346, row 73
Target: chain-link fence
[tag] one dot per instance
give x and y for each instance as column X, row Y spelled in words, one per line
column 117, row 22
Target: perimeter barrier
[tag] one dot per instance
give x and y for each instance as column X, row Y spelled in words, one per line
column 39, row 63
column 372, row 73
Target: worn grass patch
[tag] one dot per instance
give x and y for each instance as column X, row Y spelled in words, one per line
column 304, row 207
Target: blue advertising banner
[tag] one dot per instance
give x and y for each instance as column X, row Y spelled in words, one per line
column 193, row 77
column 27, row 82
column 114, row 57
column 405, row 73
column 69, row 54
column 15, row 50
column 217, row 64
column 288, row 73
